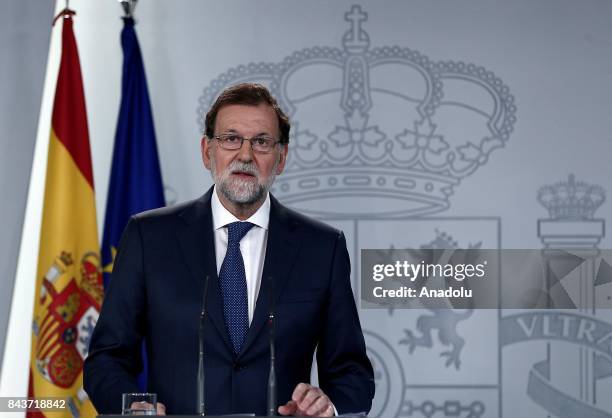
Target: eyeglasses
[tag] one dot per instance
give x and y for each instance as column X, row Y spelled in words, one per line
column 261, row 144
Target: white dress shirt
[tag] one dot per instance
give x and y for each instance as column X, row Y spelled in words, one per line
column 252, row 246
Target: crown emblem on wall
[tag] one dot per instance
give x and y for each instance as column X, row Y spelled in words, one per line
column 571, row 199
column 383, row 123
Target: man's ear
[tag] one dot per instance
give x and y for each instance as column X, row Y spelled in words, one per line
column 282, row 158
column 205, row 149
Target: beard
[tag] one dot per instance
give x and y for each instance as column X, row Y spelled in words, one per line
column 243, row 192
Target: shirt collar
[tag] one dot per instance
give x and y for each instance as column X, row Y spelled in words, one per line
column 221, row 216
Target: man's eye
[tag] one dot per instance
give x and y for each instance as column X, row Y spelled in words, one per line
column 260, row 141
column 232, row 138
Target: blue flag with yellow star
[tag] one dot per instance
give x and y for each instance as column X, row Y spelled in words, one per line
column 135, row 180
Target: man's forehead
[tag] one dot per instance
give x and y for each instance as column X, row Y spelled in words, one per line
column 235, row 116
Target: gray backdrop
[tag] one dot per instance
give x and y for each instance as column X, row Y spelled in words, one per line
column 415, row 123
column 25, row 27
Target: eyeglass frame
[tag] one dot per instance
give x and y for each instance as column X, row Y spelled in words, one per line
column 250, row 139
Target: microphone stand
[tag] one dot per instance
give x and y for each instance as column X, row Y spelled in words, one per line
column 201, row 394
column 272, row 376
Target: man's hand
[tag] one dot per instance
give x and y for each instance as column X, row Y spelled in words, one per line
column 146, row 406
column 308, row 400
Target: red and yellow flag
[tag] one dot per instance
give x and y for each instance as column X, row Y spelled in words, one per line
column 69, row 278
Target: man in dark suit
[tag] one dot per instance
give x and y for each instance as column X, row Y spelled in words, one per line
column 255, row 255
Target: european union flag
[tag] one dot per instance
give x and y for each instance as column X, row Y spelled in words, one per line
column 135, row 182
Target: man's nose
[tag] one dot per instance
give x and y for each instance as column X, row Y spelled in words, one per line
column 245, row 153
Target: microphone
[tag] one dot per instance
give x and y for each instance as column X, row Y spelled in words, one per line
column 201, row 394
column 272, row 376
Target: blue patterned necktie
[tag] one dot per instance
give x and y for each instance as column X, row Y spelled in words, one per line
column 233, row 285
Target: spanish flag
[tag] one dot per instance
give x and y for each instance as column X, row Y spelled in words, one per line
column 69, row 276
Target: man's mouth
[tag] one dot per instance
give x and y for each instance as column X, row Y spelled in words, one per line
column 243, row 174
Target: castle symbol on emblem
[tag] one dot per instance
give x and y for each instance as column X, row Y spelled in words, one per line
column 445, row 120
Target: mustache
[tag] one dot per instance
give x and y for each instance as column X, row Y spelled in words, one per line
column 248, row 168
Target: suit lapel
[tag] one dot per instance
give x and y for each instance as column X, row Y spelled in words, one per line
column 281, row 251
column 197, row 242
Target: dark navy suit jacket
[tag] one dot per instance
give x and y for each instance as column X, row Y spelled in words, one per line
column 156, row 292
